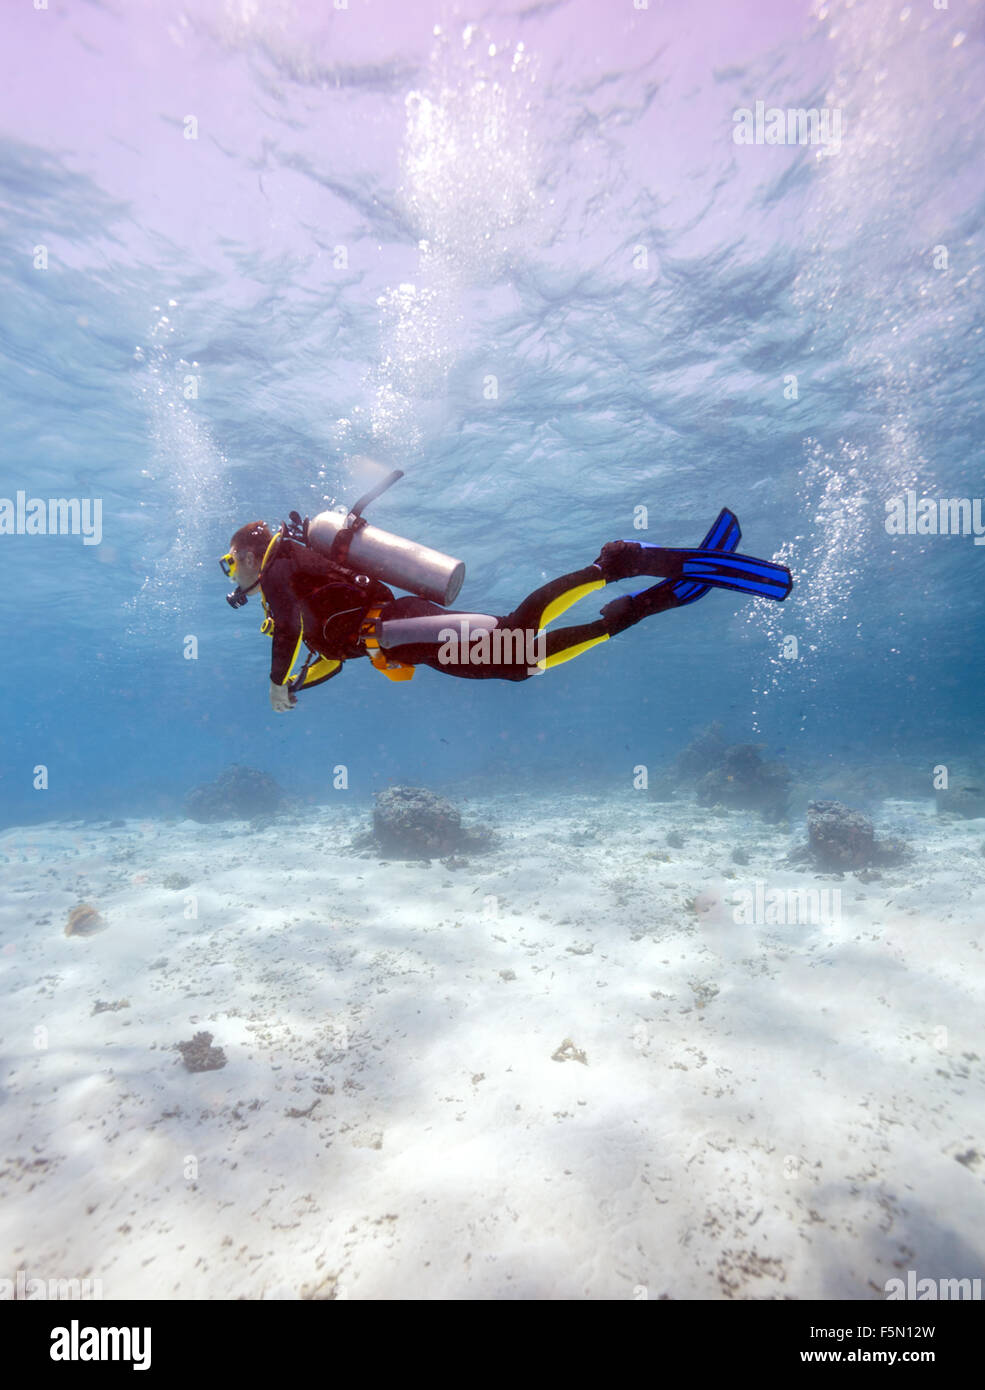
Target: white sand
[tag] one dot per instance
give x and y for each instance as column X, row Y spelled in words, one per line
column 765, row 1111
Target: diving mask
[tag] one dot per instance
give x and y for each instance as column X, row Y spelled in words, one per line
column 238, row 596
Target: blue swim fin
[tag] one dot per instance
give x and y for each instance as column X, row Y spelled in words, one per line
column 724, row 536
column 742, row 573
column 713, row 564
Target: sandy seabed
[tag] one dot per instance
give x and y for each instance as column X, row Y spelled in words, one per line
column 559, row 1070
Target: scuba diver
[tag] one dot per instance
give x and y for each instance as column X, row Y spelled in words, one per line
column 321, row 583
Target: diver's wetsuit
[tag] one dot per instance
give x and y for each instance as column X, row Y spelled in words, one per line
column 311, row 598
column 480, row 646
column 309, row 595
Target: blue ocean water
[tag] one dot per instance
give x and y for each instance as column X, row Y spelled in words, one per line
column 640, row 290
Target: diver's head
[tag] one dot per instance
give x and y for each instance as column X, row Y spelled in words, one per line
column 246, row 551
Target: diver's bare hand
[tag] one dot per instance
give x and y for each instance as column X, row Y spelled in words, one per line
column 281, row 699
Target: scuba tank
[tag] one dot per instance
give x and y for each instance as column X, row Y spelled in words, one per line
column 347, row 539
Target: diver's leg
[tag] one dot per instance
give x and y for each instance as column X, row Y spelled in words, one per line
column 548, row 649
column 513, row 647
column 617, row 616
column 487, row 647
column 554, row 598
column 630, row 609
column 417, row 632
column 712, row 567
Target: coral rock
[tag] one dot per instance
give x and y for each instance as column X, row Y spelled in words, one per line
column 414, row 823
column 964, row 794
column 239, row 793
column 838, row 837
column 703, row 754
column 743, row 781
column 200, row 1055
column 83, row 920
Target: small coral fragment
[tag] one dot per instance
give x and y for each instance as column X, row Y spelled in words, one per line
column 200, row 1055
column 567, row 1052
column 83, row 921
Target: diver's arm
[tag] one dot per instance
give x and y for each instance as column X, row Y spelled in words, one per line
column 287, row 638
column 286, row 613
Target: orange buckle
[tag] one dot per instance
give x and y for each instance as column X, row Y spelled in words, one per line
column 393, row 670
column 367, row 628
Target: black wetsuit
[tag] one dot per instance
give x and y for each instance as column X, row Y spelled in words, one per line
column 306, row 591
column 310, row 597
column 515, row 634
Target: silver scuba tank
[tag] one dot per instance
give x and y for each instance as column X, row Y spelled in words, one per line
column 402, row 563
